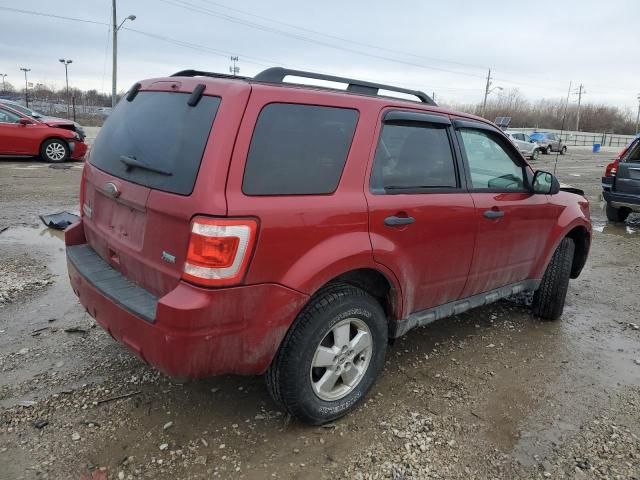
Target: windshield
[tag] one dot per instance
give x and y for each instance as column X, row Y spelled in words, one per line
column 24, row 110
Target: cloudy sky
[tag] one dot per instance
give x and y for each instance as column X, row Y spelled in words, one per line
column 444, row 46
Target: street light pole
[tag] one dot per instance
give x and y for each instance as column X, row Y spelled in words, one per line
column 66, row 63
column 116, row 27
column 488, row 89
column 26, row 85
column 638, row 116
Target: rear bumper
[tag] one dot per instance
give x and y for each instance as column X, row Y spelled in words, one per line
column 196, row 332
column 621, row 200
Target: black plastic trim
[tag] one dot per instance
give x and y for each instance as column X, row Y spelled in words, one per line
column 201, row 73
column 133, row 91
column 402, row 116
column 196, row 95
column 111, row 283
column 278, row 74
column 425, row 317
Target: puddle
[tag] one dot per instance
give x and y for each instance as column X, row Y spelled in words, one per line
column 624, row 229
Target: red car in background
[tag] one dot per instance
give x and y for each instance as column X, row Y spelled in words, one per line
column 53, row 141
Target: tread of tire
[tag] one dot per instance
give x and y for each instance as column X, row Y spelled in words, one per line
column 548, row 300
column 321, row 301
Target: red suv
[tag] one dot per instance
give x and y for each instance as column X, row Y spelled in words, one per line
column 250, row 226
column 52, row 140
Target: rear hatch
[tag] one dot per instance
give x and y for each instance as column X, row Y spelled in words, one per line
column 158, row 160
column 627, row 179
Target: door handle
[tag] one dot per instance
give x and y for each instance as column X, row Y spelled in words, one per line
column 491, row 214
column 394, row 221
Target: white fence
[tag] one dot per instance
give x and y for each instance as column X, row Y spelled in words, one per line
column 585, row 138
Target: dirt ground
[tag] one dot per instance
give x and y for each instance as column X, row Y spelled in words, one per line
column 493, row 393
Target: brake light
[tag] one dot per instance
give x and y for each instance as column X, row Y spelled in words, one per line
column 219, row 250
column 612, row 168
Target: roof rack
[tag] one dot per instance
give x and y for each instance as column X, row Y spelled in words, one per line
column 277, row 75
column 200, row 73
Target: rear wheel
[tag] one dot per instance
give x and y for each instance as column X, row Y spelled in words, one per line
column 617, row 214
column 547, row 150
column 54, row 150
column 563, row 150
column 548, row 300
column 331, row 357
column 535, row 154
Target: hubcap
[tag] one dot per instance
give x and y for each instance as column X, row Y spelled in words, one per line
column 55, row 151
column 341, row 359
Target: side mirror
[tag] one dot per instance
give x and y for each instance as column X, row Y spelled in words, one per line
column 545, row 182
column 25, row 121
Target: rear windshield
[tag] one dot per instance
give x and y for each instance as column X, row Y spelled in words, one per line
column 156, row 140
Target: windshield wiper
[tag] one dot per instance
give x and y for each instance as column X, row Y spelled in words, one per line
column 133, row 162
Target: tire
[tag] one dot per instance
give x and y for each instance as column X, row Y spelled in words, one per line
column 563, row 150
column 296, row 385
column 547, row 151
column 548, row 300
column 535, row 154
column 54, row 150
column 617, row 214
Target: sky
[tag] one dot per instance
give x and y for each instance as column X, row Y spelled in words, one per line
column 444, row 47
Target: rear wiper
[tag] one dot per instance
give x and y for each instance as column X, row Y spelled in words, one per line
column 133, row 162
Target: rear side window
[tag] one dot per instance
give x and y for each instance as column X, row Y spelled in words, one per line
column 298, row 149
column 413, row 157
column 156, row 140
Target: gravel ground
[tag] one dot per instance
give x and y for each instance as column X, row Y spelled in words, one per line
column 493, row 393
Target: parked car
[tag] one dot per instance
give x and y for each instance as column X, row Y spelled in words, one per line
column 23, row 136
column 251, row 226
column 549, row 142
column 60, row 122
column 527, row 146
column 621, row 184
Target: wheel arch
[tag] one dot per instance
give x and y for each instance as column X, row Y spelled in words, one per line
column 582, row 242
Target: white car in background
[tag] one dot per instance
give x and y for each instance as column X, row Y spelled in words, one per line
column 527, row 146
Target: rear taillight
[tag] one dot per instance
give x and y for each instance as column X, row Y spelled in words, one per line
column 612, row 168
column 219, row 250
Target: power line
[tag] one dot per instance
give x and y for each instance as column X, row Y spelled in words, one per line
column 51, row 15
column 265, row 28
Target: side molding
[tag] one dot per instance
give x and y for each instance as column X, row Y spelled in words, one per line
column 425, row 317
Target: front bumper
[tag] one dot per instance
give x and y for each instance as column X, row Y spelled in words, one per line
column 196, row 332
column 78, row 149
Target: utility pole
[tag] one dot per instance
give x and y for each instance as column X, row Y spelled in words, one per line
column 26, row 85
column 486, row 92
column 581, row 91
column 234, row 69
column 3, row 75
column 638, row 116
column 66, row 63
column 114, row 75
column 433, row 96
column 488, row 89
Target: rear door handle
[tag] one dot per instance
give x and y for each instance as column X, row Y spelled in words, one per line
column 394, row 221
column 491, row 214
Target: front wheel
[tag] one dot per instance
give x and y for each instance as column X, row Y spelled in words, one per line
column 563, row 150
column 547, row 151
column 617, row 214
column 331, row 357
column 548, row 300
column 54, row 150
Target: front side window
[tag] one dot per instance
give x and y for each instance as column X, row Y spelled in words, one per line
column 490, row 165
column 8, row 117
column 413, row 157
column 298, row 149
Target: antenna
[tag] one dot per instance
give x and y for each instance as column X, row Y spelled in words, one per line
column 234, row 69
column 564, row 117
